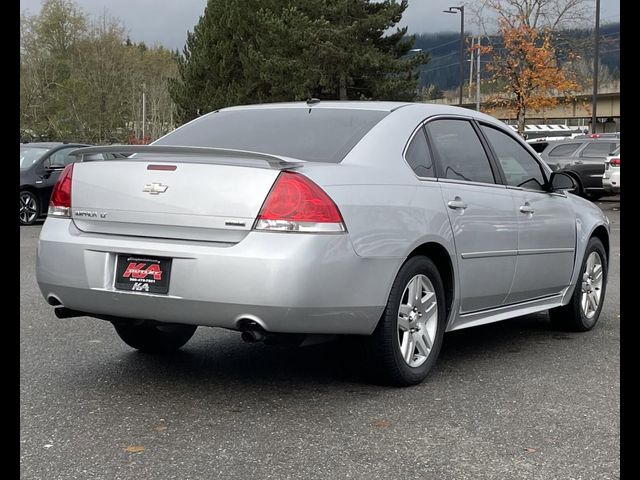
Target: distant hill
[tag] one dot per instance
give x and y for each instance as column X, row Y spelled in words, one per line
column 442, row 69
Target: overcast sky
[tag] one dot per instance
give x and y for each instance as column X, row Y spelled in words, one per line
column 166, row 22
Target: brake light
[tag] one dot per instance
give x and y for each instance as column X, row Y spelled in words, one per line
column 296, row 204
column 615, row 162
column 595, row 135
column 60, row 203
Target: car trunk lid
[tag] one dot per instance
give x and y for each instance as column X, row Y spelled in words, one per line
column 196, row 200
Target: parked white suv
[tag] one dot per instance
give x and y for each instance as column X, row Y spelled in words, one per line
column 611, row 175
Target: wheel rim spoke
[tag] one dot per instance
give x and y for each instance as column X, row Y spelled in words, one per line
column 597, row 275
column 593, row 303
column 404, row 311
column 403, row 324
column 413, row 292
column 409, row 347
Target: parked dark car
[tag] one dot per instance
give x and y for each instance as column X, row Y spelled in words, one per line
column 583, row 159
column 40, row 166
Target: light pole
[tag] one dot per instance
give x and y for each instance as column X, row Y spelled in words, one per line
column 596, row 51
column 417, row 50
column 461, row 10
column 478, row 75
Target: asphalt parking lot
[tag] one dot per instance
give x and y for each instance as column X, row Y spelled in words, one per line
column 511, row 400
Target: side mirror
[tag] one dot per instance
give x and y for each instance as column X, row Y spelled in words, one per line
column 560, row 181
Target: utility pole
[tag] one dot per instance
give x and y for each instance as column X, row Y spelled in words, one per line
column 478, row 76
column 596, row 60
column 471, row 67
column 144, row 110
column 461, row 77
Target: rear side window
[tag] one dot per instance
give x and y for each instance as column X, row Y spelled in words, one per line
column 459, row 151
column 564, row 150
column 418, row 156
column 312, row 134
column 519, row 167
column 598, row 149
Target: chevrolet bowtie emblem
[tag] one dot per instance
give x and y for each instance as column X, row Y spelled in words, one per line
column 155, row 188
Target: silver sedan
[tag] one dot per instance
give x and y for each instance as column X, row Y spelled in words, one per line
column 392, row 222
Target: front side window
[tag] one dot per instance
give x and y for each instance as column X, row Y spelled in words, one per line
column 459, row 151
column 30, row 155
column 61, row 158
column 519, row 167
column 418, row 156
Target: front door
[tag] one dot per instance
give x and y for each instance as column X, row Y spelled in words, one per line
column 49, row 171
column 546, row 229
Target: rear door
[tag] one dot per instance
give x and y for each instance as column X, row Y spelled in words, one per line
column 546, row 221
column 481, row 213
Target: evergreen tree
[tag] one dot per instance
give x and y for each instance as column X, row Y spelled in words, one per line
column 256, row 51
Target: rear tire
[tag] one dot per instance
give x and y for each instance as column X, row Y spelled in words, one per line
column 155, row 338
column 406, row 343
column 582, row 312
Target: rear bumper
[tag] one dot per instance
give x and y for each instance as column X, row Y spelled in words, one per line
column 299, row 283
column 611, row 182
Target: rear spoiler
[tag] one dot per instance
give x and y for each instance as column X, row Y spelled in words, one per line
column 272, row 160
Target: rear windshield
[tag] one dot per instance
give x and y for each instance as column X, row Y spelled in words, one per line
column 312, row 134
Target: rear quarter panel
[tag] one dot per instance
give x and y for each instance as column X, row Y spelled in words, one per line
column 588, row 218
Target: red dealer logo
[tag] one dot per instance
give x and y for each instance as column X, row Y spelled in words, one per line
column 138, row 270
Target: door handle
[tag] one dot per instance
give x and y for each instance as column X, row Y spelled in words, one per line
column 526, row 208
column 457, row 204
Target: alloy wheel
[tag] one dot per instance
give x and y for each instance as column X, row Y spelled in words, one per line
column 417, row 320
column 591, row 285
column 28, row 208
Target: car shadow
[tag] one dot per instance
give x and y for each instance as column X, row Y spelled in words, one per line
column 220, row 362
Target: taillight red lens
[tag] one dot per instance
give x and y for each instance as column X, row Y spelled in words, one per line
column 615, row 162
column 60, row 203
column 295, row 203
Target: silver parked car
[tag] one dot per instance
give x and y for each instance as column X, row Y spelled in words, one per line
column 393, row 222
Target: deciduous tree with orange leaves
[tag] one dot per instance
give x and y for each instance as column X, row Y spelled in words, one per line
column 527, row 68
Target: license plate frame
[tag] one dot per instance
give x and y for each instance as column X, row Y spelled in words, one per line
column 142, row 274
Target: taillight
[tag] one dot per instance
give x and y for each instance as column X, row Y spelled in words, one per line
column 60, row 203
column 615, row 162
column 296, row 204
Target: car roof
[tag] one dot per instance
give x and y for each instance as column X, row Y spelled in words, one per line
column 584, row 140
column 334, row 104
column 428, row 109
column 49, row 144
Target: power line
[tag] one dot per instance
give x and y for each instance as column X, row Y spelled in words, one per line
column 439, row 67
column 442, row 45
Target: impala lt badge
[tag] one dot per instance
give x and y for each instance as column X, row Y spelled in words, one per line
column 89, row 214
column 155, row 188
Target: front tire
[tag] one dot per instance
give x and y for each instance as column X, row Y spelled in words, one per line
column 29, row 208
column 406, row 343
column 582, row 312
column 155, row 338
